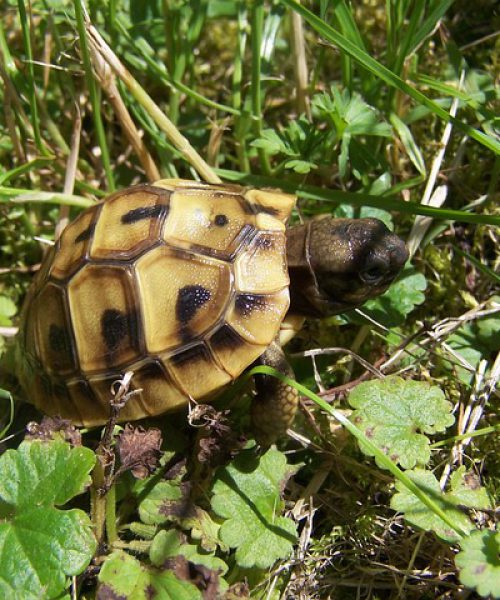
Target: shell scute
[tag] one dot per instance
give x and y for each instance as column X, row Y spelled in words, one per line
column 182, row 296
column 129, row 223
column 261, row 267
column 158, row 389
column 72, row 247
column 105, row 317
column 257, row 317
column 54, row 334
column 211, row 222
column 196, row 372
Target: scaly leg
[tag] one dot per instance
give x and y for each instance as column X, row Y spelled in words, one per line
column 275, row 405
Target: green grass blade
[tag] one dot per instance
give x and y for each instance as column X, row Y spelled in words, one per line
column 22, row 196
column 25, row 168
column 35, row 121
column 336, row 197
column 94, row 97
column 495, row 277
column 409, row 143
column 430, row 23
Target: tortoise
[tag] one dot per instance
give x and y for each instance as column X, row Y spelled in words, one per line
column 186, row 284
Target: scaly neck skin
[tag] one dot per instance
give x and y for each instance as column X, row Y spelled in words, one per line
column 302, row 280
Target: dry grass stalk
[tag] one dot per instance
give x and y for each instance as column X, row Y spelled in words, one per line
column 99, row 46
column 69, row 176
column 300, row 65
column 433, row 197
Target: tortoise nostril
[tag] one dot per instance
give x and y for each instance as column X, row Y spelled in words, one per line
column 399, row 255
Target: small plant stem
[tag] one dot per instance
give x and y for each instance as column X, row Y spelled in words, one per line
column 410, row 566
column 31, row 78
column 176, row 60
column 111, row 532
column 133, row 546
column 163, row 122
column 241, row 121
column 257, row 26
column 94, row 96
column 14, row 195
column 465, row 436
column 300, row 65
column 98, row 500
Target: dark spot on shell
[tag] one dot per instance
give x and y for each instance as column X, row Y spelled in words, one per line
column 245, row 304
column 144, row 212
column 221, row 220
column 225, row 338
column 114, row 328
column 86, row 234
column 189, row 300
column 186, row 334
column 152, row 370
column 58, row 339
column 190, row 356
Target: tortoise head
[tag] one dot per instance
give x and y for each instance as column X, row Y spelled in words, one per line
column 338, row 264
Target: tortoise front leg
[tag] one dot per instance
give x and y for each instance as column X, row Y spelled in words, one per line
column 275, row 405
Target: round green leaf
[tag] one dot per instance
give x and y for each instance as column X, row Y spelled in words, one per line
column 40, row 545
column 479, row 562
column 395, row 414
column 248, row 495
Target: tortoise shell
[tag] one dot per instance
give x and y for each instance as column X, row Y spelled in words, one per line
column 183, row 283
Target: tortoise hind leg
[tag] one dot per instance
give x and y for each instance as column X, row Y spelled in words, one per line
column 275, row 405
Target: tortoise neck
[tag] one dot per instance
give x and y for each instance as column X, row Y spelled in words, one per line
column 303, row 284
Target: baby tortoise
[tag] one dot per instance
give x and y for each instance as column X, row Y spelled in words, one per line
column 187, row 284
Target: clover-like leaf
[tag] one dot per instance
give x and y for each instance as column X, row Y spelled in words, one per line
column 479, row 564
column 167, row 544
column 395, row 414
column 162, row 503
column 247, row 494
column 40, row 545
column 465, row 491
column 203, row 528
column 123, row 576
